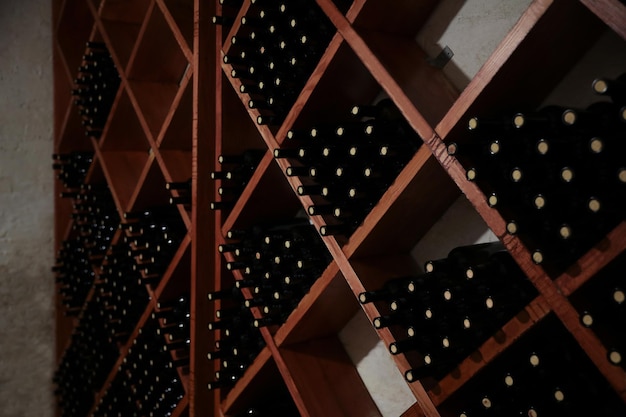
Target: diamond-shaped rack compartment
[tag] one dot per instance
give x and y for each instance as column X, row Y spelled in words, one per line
column 330, row 131
column 327, row 380
column 123, row 132
column 239, row 137
column 181, row 14
column 559, row 76
column 63, row 100
column 460, row 226
column 125, row 152
column 600, row 307
column 262, row 388
column 175, row 152
column 151, row 189
column 266, row 197
column 274, row 60
column 73, row 31
column 121, row 22
column 176, row 133
column 73, row 133
column 156, row 71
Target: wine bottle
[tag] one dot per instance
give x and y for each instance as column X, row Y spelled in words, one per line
column 387, row 291
column 613, row 88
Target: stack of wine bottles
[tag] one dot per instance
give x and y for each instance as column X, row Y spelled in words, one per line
column 85, row 364
column 174, row 318
column 601, row 303
column 153, row 236
column 557, row 175
column 274, row 52
column 278, row 262
column 72, row 168
column 535, row 378
column 237, row 340
column 75, row 275
column 237, row 169
column 441, row 316
column 95, row 223
column 230, row 8
column 346, row 167
column 95, row 218
column 146, row 383
column 181, row 192
column 95, row 88
column 120, row 294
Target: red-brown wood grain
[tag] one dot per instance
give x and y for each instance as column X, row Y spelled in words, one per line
column 326, row 379
column 612, row 12
column 203, row 226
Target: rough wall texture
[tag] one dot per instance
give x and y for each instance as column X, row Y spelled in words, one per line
column 26, row 211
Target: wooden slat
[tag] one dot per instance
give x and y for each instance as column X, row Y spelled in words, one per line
column 593, row 261
column 123, row 171
column 157, row 56
column 149, row 188
column 121, row 38
column 510, row 332
column 132, row 57
column 266, row 197
column 612, row 13
column 122, row 131
column 203, row 228
column 217, row 84
column 179, row 16
column 153, row 103
column 413, row 411
column 176, row 131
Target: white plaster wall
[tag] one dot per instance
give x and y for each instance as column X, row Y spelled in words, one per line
column 26, row 209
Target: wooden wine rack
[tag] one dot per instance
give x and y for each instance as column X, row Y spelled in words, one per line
column 176, row 110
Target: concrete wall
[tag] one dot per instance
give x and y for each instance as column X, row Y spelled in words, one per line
column 26, row 211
